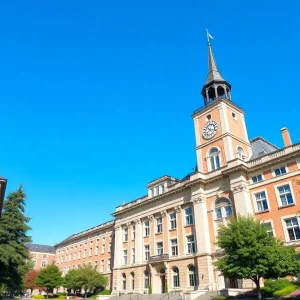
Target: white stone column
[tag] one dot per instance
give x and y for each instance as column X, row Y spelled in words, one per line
column 138, row 241
column 201, row 226
column 242, row 200
column 118, row 247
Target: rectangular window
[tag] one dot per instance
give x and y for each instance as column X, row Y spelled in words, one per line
column 102, row 266
column 34, row 263
column 109, row 247
column 84, row 253
column 159, row 225
column 44, row 263
column 162, row 188
column 44, row 255
column 228, row 211
column 157, row 190
column 261, row 201
column 219, row 213
column 147, row 228
column 97, row 250
column 91, row 252
column 125, row 234
column 103, row 239
column 159, row 248
column 79, row 255
column 133, row 232
column 108, row 264
column 70, row 256
column 269, row 228
column 174, row 247
column 34, row 255
column 133, row 255
column 74, row 256
column 188, row 216
column 146, row 282
column 257, row 178
column 285, row 195
column 147, row 252
column 103, row 248
column 190, row 244
column 280, row 171
column 152, row 192
column 124, row 257
column 293, row 230
column 173, row 224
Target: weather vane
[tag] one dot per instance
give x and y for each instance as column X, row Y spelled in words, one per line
column 208, row 36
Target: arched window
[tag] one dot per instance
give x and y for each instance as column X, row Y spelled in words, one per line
column 124, row 281
column 214, row 159
column 240, row 153
column 132, row 280
column 146, row 279
column 192, row 275
column 176, row 277
column 223, row 208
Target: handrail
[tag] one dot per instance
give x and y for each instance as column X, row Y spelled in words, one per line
column 169, row 294
column 207, row 287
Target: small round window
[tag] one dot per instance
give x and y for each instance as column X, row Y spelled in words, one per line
column 208, row 117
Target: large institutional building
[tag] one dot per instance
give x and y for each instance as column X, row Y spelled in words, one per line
column 166, row 239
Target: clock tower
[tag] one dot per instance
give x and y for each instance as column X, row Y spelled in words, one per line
column 220, row 129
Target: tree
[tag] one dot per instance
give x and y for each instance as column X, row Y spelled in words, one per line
column 86, row 278
column 50, row 278
column 14, row 255
column 250, row 252
column 30, row 280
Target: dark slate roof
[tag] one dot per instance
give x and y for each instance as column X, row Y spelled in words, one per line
column 260, row 147
column 40, row 248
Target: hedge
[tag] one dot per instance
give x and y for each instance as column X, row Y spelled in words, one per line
column 285, row 291
column 219, row 298
column 38, row 297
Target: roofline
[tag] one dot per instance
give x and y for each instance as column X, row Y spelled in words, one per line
column 266, row 141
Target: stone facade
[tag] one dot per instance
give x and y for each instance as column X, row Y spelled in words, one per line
column 167, row 239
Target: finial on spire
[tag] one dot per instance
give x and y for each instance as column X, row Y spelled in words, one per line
column 208, row 36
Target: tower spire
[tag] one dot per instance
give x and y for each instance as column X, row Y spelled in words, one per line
column 215, row 86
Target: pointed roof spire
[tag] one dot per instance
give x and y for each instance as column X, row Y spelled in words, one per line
column 213, row 73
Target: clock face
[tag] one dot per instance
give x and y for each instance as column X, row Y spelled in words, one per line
column 210, row 129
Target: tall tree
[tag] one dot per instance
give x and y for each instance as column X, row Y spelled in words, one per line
column 14, row 254
column 50, row 278
column 30, row 280
column 251, row 253
column 70, row 280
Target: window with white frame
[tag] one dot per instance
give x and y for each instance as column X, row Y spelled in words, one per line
column 268, row 226
column 285, row 195
column 176, row 282
column 133, row 232
column 174, row 247
column 159, row 225
column 133, row 255
column 293, row 230
column 189, row 216
column 97, row 250
column 102, row 265
column 124, row 257
column 152, row 192
column 261, row 201
column 240, row 153
column 257, row 178
column 190, row 244
column 146, row 280
column 124, row 281
column 84, row 253
column 192, row 275
column 74, row 255
column 223, row 208
column 109, row 247
column 173, row 224
column 132, row 280
column 70, row 256
column 79, row 255
column 125, row 234
column 280, row 171
column 147, row 228
column 214, row 159
column 90, row 251
column 159, row 248
column 103, row 248
column 95, row 265
column 147, row 252
column 33, row 263
column 44, row 263
column 44, row 255
column 162, row 188
column 157, row 190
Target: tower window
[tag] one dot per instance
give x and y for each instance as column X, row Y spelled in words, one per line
column 214, row 159
column 234, row 116
column 208, row 117
column 240, row 153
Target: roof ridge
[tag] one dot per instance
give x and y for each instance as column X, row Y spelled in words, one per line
column 263, row 139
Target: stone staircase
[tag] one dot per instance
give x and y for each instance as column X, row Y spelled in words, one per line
column 207, row 296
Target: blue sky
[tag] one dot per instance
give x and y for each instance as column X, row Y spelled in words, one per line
column 97, row 96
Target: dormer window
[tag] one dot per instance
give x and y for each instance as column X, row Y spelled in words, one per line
column 214, row 159
column 152, row 192
column 157, row 191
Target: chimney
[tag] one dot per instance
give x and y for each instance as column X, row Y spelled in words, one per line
column 286, row 137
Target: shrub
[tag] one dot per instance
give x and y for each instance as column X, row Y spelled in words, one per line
column 150, row 289
column 219, row 298
column 272, row 286
column 248, row 294
column 38, row 297
column 285, row 291
column 61, row 297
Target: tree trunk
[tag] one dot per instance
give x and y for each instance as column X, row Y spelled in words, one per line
column 47, row 293
column 84, row 294
column 258, row 291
